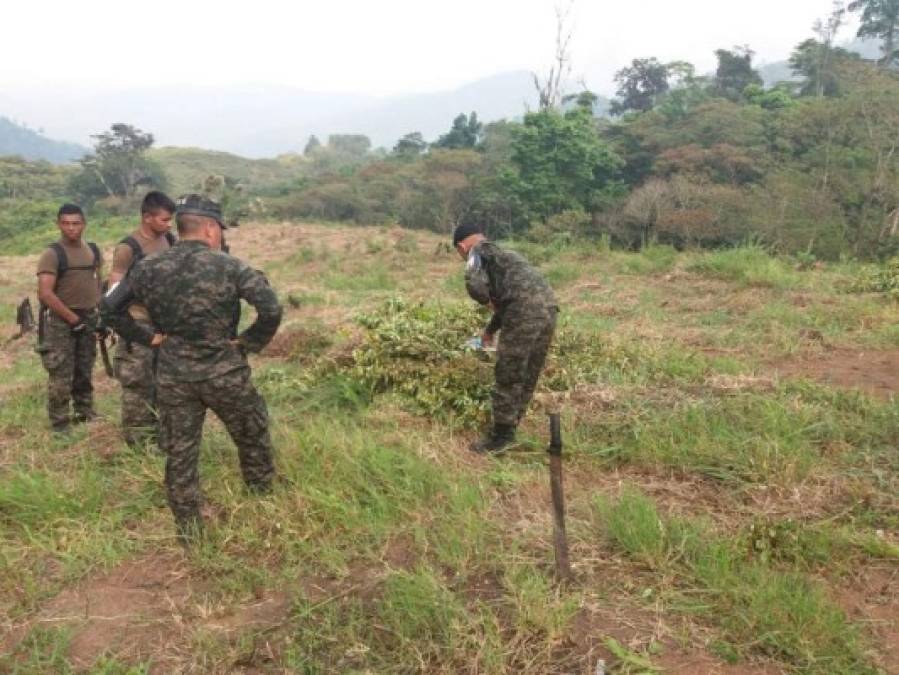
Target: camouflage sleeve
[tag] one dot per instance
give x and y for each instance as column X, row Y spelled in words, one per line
column 114, row 313
column 496, row 322
column 477, row 283
column 255, row 289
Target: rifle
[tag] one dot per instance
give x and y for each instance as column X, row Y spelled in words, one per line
column 104, row 351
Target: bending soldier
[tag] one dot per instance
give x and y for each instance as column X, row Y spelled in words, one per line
column 68, row 289
column 192, row 293
column 524, row 309
column 134, row 363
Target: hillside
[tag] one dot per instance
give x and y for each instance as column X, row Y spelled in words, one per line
column 730, row 426
column 186, row 168
column 17, row 140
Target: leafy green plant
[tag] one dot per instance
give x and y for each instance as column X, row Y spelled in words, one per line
column 884, row 279
column 418, row 352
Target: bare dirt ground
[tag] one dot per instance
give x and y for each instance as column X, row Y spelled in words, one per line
column 874, row 372
column 147, row 608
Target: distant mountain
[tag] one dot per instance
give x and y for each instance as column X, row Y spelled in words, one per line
column 265, row 121
column 16, row 139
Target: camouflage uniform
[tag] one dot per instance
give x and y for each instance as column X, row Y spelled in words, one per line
column 135, row 373
column 193, row 294
column 67, row 356
column 69, row 361
column 525, row 310
column 134, row 363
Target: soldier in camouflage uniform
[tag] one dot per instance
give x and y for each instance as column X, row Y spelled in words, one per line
column 192, row 293
column 69, row 290
column 134, row 363
column 524, row 309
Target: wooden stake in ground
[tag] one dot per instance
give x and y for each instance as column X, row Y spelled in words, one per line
column 560, row 540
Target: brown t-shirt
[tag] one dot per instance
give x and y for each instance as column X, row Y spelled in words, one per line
column 77, row 289
column 123, row 256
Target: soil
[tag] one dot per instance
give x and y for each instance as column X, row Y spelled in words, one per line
column 871, row 371
column 147, row 608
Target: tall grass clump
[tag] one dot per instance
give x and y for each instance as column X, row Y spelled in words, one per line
column 749, row 265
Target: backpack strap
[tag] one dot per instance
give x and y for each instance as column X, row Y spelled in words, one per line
column 137, row 252
column 96, row 251
column 62, row 260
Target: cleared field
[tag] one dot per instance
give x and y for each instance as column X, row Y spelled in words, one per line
column 730, row 428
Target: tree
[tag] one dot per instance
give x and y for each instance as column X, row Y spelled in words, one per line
column 312, row 145
column 879, row 19
column 118, row 165
column 815, row 59
column 818, row 65
column 410, row 145
column 735, row 72
column 561, row 163
column 465, row 133
column 640, row 85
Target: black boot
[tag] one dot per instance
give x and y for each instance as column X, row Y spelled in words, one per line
column 500, row 437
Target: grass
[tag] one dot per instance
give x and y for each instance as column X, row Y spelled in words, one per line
column 760, row 608
column 748, row 265
column 390, row 549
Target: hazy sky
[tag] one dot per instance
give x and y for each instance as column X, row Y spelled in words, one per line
column 372, row 46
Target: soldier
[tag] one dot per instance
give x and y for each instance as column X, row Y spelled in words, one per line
column 192, row 293
column 134, row 363
column 524, row 309
column 68, row 287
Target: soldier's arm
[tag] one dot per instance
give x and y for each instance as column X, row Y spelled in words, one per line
column 496, row 322
column 477, row 283
column 114, row 313
column 47, row 267
column 121, row 261
column 255, row 289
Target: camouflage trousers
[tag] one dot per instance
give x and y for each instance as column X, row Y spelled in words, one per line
column 524, row 342
column 69, row 360
column 135, row 372
column 182, row 410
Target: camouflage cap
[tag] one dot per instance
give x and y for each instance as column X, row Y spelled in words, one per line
column 199, row 205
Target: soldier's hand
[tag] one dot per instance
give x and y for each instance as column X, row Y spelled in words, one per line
column 158, row 339
column 487, row 339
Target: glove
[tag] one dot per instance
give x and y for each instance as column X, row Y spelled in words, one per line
column 79, row 328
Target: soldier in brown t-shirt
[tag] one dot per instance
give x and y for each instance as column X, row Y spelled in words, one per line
column 68, row 288
column 134, row 363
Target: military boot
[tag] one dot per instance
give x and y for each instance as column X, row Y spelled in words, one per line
column 500, row 437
